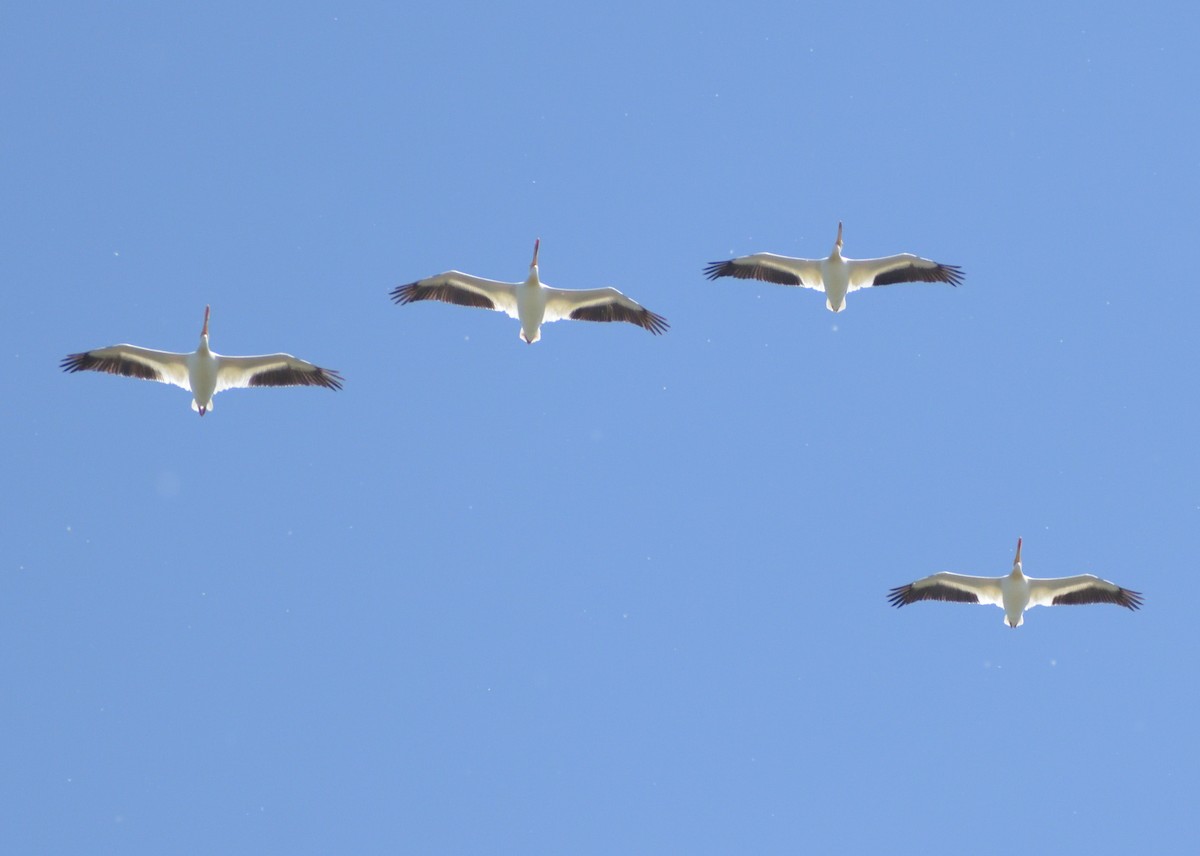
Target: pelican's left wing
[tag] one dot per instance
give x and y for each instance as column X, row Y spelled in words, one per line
column 273, row 370
column 601, row 304
column 959, row 588
column 905, row 267
column 1085, row 588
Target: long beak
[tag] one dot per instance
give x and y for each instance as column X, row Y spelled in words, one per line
column 1017, row 560
column 839, row 240
column 204, row 332
column 537, row 242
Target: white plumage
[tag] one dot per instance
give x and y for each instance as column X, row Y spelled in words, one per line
column 836, row 276
column 1016, row 592
column 530, row 302
column 203, row 372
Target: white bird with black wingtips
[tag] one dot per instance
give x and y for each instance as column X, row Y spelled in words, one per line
column 836, row 276
column 1016, row 592
column 531, row 302
column 203, row 372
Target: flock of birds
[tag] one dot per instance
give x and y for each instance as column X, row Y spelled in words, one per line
column 204, row 373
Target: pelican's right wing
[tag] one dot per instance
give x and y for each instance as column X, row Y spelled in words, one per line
column 768, row 267
column 947, row 586
column 132, row 361
column 461, row 289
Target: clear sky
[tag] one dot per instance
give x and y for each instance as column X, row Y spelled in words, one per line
column 611, row 593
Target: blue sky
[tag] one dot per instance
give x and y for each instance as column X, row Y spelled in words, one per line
column 612, row 593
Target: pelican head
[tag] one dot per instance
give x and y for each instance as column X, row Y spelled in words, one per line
column 204, row 329
column 837, row 245
column 1016, row 571
column 532, row 279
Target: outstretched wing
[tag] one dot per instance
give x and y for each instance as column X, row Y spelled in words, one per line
column 132, row 361
column 958, row 588
column 461, row 289
column 601, row 304
column 905, row 267
column 273, row 370
column 1085, row 588
column 768, row 267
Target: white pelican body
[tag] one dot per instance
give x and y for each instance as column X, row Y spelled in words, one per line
column 530, row 302
column 836, row 276
column 203, row 372
column 532, row 298
column 1016, row 592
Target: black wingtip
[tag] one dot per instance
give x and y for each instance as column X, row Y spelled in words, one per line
column 402, row 294
column 655, row 323
column 332, row 379
column 714, row 270
column 899, row 595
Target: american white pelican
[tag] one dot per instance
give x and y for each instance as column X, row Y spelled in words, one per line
column 530, row 302
column 1016, row 592
column 836, row 276
column 203, row 373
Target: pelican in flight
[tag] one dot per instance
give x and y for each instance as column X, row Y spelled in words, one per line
column 836, row 276
column 530, row 302
column 203, row 373
column 1016, row 592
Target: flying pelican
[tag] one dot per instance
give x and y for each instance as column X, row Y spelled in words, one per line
column 531, row 302
column 203, row 373
column 1016, row 592
column 836, row 276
